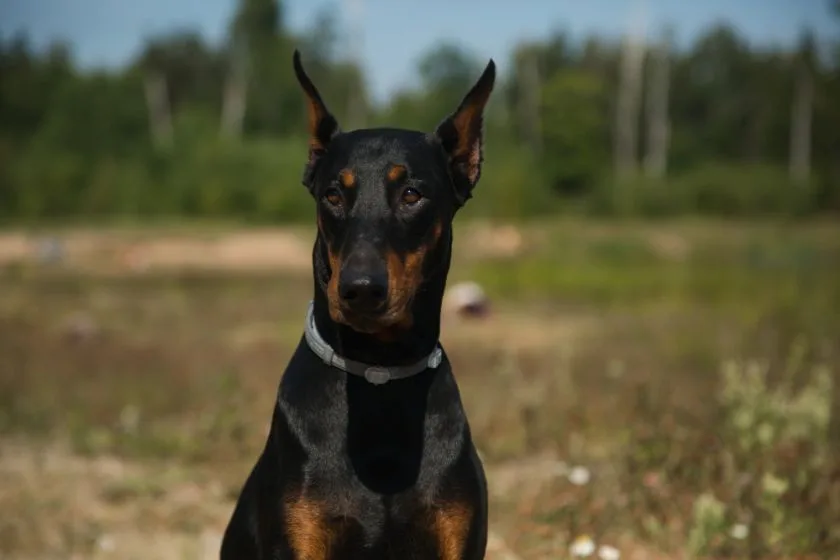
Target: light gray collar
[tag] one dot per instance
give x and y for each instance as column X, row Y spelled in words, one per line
column 374, row 374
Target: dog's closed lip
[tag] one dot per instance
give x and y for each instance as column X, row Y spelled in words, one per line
column 371, row 323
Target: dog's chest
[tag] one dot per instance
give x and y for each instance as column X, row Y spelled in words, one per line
column 406, row 526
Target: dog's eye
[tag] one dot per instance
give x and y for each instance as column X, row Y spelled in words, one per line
column 333, row 197
column 411, row 196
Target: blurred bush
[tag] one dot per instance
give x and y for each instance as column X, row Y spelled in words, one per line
column 717, row 189
column 260, row 180
column 146, row 139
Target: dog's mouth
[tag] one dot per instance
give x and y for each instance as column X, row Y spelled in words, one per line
column 385, row 320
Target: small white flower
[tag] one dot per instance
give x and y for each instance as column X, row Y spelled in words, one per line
column 579, row 476
column 607, row 552
column 739, row 531
column 582, row 547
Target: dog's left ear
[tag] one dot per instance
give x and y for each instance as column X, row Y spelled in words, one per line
column 322, row 125
column 462, row 135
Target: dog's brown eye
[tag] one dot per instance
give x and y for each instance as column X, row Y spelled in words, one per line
column 333, row 197
column 411, row 196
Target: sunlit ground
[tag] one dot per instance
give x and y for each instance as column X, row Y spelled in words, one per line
column 659, row 389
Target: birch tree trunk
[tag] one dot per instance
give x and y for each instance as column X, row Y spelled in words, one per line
column 800, row 128
column 658, row 125
column 628, row 106
column 235, row 96
column 157, row 106
column 531, row 92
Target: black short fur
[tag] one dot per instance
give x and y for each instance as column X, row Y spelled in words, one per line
column 353, row 470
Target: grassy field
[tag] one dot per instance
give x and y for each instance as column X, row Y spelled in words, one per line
column 664, row 389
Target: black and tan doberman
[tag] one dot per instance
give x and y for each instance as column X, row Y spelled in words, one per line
column 369, row 454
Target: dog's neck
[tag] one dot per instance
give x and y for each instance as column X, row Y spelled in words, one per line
column 396, row 347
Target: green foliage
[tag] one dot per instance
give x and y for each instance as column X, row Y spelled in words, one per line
column 512, row 186
column 761, row 475
column 260, row 181
column 759, row 421
column 708, row 521
column 574, row 123
column 580, row 266
column 712, row 189
column 258, row 19
column 79, row 143
column 761, row 416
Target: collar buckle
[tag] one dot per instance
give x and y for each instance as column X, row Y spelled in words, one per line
column 377, row 375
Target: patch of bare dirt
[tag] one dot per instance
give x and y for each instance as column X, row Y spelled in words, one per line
column 252, row 250
column 485, row 240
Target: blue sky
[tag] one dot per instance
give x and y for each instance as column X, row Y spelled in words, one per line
column 398, row 32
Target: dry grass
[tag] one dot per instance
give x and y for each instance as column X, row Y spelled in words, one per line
column 134, row 399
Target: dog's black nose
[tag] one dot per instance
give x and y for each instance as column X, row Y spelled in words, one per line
column 362, row 291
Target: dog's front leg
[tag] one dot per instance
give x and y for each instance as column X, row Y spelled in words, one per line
column 454, row 524
column 308, row 531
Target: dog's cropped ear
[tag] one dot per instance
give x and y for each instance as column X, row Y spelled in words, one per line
column 322, row 125
column 462, row 135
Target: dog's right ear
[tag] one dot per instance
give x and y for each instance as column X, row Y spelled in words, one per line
column 322, row 125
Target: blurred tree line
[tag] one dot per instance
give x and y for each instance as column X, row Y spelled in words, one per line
column 600, row 126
